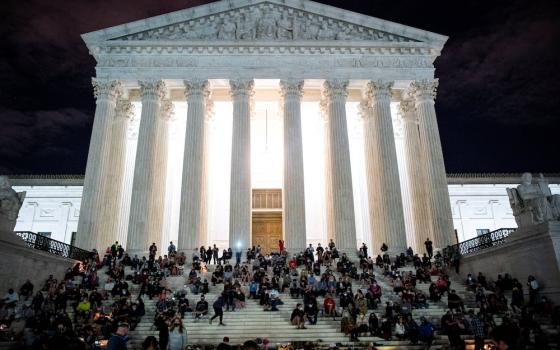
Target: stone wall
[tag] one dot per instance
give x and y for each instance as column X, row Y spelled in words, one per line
column 534, row 251
column 19, row 263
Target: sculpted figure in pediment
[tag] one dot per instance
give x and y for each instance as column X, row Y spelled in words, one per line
column 226, row 30
column 326, row 33
column 285, row 27
column 267, row 26
column 246, row 29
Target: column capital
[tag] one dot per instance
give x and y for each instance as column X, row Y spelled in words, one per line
column 364, row 108
column 407, row 111
column 379, row 90
column 335, row 88
column 291, row 88
column 424, row 90
column 153, row 89
column 197, row 89
column 106, row 89
column 241, row 87
column 124, row 110
column 209, row 112
column 167, row 110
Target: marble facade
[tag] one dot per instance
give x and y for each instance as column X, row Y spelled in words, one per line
column 382, row 177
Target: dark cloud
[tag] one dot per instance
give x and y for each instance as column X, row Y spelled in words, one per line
column 497, row 102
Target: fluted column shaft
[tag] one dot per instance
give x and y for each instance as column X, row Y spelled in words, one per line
column 294, row 194
column 148, row 187
column 437, row 192
column 192, row 208
column 240, row 190
column 382, row 172
column 95, row 181
column 416, row 176
column 115, row 176
column 343, row 220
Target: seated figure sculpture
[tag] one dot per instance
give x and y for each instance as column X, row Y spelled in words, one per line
column 10, row 203
column 533, row 204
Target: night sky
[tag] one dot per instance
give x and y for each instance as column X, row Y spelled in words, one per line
column 497, row 103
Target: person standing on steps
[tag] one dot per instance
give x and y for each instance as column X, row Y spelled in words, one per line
column 218, row 310
column 215, row 252
column 177, row 335
column 119, row 338
column 429, row 247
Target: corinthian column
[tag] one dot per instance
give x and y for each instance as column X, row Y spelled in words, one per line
column 437, row 192
column 192, row 202
column 115, row 175
column 382, row 172
column 340, row 179
column 240, row 190
column 294, row 195
column 91, row 210
column 416, row 175
column 148, row 186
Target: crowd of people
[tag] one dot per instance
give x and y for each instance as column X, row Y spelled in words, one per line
column 326, row 283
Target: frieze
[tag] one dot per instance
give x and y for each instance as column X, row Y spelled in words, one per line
column 240, row 61
column 265, row 22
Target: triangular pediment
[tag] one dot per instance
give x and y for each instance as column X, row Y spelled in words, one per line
column 264, row 21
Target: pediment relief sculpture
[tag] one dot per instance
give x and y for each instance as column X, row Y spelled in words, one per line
column 265, row 22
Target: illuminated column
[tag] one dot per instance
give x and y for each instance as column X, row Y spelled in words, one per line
column 294, row 194
column 148, row 187
column 437, row 192
column 340, row 179
column 192, row 200
column 115, row 176
column 95, row 182
column 416, row 175
column 240, row 190
column 384, row 192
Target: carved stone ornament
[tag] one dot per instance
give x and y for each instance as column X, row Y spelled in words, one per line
column 336, row 88
column 242, row 88
column 197, row 89
column 167, row 110
column 106, row 89
column 154, row 89
column 265, row 22
column 424, row 90
column 379, row 90
column 10, row 204
column 124, row 110
column 533, row 204
column 291, row 89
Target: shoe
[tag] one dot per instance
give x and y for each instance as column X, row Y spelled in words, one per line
column 303, row 327
column 222, row 324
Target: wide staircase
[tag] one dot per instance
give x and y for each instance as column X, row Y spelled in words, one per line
column 252, row 322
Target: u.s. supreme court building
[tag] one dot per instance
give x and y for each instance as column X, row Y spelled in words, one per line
column 243, row 122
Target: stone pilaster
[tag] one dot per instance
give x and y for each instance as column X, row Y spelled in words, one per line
column 91, row 210
column 115, row 177
column 294, row 194
column 437, row 192
column 340, row 179
column 148, row 186
column 416, row 175
column 192, row 203
column 382, row 173
column 240, row 190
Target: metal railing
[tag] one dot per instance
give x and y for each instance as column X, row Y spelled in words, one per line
column 39, row 242
column 490, row 239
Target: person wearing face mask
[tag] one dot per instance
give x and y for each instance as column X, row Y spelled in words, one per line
column 177, row 335
column 298, row 317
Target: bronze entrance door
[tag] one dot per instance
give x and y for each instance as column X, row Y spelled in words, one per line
column 267, row 230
